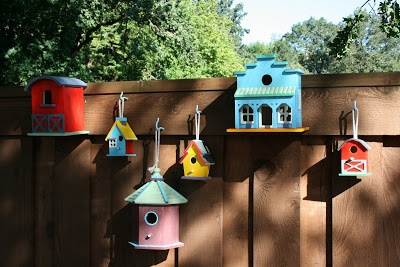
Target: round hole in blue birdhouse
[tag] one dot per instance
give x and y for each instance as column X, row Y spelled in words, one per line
column 151, row 218
column 266, row 79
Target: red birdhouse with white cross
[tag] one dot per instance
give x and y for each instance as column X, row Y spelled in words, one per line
column 354, row 153
column 57, row 106
column 354, row 158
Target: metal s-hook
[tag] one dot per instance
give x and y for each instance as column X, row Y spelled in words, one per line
column 355, row 106
column 355, row 120
column 121, row 104
column 122, row 97
column 159, row 128
column 197, row 109
column 197, row 121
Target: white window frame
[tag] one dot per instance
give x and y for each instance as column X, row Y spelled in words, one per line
column 112, row 142
column 286, row 112
column 247, row 114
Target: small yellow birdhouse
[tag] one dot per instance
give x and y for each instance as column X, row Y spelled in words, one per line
column 196, row 161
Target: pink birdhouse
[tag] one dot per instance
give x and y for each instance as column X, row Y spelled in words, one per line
column 354, row 152
column 155, row 216
column 155, row 210
column 57, row 106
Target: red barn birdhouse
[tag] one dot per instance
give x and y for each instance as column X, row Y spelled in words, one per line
column 57, row 106
column 354, row 158
column 354, row 152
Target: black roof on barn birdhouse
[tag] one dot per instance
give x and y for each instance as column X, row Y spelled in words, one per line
column 66, row 81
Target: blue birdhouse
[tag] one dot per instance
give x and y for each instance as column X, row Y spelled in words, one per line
column 268, row 95
column 121, row 136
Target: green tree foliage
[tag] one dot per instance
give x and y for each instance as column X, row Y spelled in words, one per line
column 98, row 40
column 371, row 51
column 309, row 40
column 235, row 14
column 389, row 14
column 306, row 47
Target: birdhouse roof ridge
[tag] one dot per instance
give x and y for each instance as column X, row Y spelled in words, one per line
column 66, row 81
column 204, row 152
column 362, row 142
column 156, row 192
column 125, row 130
column 268, row 62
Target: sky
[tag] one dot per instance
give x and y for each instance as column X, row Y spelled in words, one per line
column 267, row 19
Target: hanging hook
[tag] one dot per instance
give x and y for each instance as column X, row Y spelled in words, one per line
column 355, row 120
column 197, row 109
column 122, row 97
column 121, row 104
column 158, row 128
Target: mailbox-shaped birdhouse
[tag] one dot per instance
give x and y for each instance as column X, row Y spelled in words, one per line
column 196, row 161
column 57, row 106
column 354, row 152
column 155, row 215
column 354, row 158
column 121, row 136
column 268, row 96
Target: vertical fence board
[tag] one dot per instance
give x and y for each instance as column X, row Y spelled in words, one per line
column 72, row 201
column 201, row 224
column 236, row 223
column 390, row 206
column 100, row 204
column 357, row 216
column 313, row 205
column 276, row 201
column 44, row 201
column 238, row 165
column 16, row 202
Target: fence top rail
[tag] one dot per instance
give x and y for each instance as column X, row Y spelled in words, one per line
column 217, row 84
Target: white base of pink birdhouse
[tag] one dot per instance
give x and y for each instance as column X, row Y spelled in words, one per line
column 58, row 134
column 153, row 247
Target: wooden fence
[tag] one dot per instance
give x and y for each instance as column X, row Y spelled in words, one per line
column 274, row 200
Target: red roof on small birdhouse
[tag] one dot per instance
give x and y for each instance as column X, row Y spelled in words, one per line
column 202, row 151
column 362, row 142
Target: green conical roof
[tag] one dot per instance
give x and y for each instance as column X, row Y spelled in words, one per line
column 156, row 192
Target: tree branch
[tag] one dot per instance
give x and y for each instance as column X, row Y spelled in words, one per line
column 81, row 41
